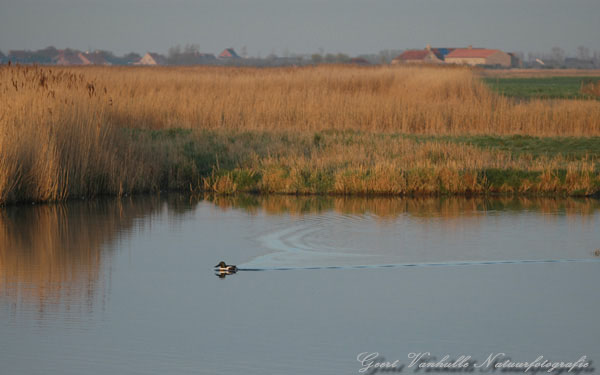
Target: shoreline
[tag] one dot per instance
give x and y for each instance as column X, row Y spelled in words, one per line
column 205, row 195
column 336, row 163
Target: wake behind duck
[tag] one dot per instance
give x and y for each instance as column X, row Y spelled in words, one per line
column 222, row 269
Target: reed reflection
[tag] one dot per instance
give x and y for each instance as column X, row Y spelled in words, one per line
column 58, row 257
column 53, row 257
column 383, row 208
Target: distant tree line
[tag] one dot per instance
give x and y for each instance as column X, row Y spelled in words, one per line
column 190, row 54
column 49, row 55
column 557, row 58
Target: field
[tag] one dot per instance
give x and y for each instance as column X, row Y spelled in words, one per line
column 545, row 87
column 537, row 73
column 83, row 132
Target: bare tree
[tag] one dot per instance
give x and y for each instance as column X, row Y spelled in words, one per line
column 130, row 58
column 189, row 55
column 191, row 49
column 387, row 55
column 520, row 55
column 583, row 53
column 174, row 51
column 558, row 54
column 329, row 58
column 316, row 58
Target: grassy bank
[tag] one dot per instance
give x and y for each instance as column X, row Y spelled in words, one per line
column 572, row 148
column 359, row 163
column 72, row 132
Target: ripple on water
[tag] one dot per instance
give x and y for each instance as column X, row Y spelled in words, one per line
column 349, row 241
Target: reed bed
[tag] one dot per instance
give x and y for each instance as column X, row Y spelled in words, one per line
column 372, row 164
column 591, row 88
column 72, row 132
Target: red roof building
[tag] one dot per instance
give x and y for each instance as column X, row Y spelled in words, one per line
column 95, row 58
column 70, row 57
column 424, row 56
column 479, row 56
column 152, row 58
column 229, row 53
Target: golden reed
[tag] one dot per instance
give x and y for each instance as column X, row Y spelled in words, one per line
column 62, row 129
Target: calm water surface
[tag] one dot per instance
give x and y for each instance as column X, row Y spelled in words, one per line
column 127, row 287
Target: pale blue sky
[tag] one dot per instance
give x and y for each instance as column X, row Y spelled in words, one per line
column 265, row 26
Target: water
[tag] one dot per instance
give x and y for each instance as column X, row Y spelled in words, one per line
column 127, row 286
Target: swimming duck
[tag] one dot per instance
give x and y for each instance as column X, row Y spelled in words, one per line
column 223, row 267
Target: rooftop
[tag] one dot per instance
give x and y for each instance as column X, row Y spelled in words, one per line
column 471, row 52
column 413, row 55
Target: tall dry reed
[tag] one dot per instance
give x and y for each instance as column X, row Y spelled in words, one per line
column 65, row 132
column 391, row 99
column 423, row 100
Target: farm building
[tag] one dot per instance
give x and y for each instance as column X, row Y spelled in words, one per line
column 425, row 56
column 152, row 58
column 515, row 60
column 442, row 52
column 229, row 53
column 479, row 56
column 95, row 58
column 70, row 57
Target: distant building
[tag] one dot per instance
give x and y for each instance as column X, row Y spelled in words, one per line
column 95, row 58
column 442, row 52
column 70, row 57
column 479, row 56
column 515, row 61
column 229, row 53
column 425, row 56
column 417, row 57
column 152, row 58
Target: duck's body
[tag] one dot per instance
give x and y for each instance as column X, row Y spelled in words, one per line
column 223, row 267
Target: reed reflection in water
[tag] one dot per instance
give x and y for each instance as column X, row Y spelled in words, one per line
column 127, row 285
column 57, row 258
column 342, row 232
column 53, row 256
column 393, row 207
